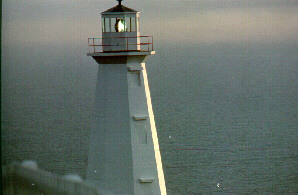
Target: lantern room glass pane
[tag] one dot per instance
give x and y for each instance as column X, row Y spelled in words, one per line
column 133, row 24
column 107, row 24
column 127, row 24
column 113, row 23
column 120, row 26
column 103, row 24
column 117, row 25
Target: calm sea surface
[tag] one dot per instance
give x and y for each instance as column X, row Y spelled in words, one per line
column 226, row 115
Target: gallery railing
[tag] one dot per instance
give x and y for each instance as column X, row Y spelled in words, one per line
column 118, row 44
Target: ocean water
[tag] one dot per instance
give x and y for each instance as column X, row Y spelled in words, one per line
column 227, row 119
column 226, row 115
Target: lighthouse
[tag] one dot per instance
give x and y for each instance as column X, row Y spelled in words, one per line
column 124, row 155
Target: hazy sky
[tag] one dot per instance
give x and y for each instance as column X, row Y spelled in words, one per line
column 35, row 22
column 47, row 76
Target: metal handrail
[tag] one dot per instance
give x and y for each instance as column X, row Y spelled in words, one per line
column 94, row 45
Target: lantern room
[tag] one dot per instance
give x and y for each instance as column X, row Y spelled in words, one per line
column 120, row 29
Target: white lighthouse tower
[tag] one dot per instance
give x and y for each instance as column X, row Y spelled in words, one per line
column 124, row 156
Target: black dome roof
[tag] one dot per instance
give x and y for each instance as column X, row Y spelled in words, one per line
column 119, row 8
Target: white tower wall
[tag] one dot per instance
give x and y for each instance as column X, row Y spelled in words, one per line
column 124, row 158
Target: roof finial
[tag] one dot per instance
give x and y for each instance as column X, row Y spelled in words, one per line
column 119, row 2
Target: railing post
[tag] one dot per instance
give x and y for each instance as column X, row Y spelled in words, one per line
column 126, row 43
column 148, row 43
column 152, row 43
column 93, row 45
